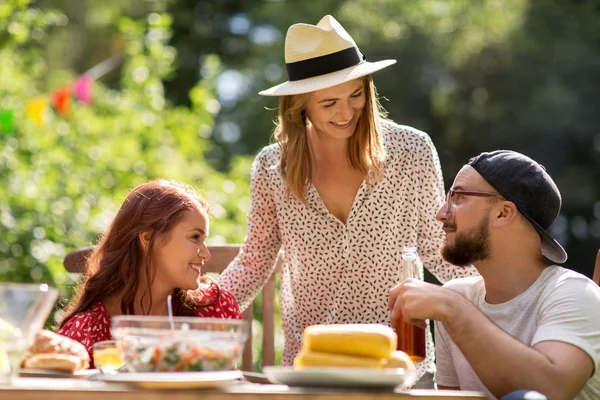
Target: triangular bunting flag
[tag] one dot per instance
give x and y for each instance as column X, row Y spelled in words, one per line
column 6, row 121
column 62, row 101
column 36, row 109
column 82, row 89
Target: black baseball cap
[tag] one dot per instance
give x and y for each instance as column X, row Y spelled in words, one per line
column 526, row 183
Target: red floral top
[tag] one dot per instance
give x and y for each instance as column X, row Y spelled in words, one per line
column 93, row 325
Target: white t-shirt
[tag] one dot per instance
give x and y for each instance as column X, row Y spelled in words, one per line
column 561, row 305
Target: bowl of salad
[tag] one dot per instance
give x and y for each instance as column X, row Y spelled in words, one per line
column 161, row 344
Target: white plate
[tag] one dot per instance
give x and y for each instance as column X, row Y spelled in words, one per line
column 340, row 377
column 174, row 380
column 49, row 373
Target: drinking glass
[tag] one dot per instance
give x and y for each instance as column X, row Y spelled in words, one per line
column 107, row 357
column 24, row 309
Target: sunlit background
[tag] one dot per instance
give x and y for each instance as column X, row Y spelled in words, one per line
column 97, row 97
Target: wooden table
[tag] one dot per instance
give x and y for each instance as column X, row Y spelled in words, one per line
column 78, row 389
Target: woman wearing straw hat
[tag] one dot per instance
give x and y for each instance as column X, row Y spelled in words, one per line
column 342, row 191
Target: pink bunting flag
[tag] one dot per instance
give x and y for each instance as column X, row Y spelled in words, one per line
column 82, row 89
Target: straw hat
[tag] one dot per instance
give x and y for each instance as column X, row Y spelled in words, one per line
column 321, row 56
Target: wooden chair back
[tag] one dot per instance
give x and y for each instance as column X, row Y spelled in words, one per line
column 221, row 256
column 596, row 276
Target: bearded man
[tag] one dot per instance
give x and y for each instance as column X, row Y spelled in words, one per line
column 525, row 322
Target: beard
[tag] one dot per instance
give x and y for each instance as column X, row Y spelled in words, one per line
column 470, row 246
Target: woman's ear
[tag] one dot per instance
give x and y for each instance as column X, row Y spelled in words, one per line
column 145, row 239
column 506, row 213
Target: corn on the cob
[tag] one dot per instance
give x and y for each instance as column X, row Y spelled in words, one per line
column 370, row 340
column 399, row 359
column 318, row 359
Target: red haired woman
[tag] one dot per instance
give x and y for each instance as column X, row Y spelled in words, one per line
column 154, row 248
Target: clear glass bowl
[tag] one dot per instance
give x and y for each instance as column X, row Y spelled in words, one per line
column 24, row 309
column 153, row 344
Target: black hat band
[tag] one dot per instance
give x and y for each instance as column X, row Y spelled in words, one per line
column 324, row 64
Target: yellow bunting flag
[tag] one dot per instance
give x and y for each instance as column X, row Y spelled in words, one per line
column 37, row 108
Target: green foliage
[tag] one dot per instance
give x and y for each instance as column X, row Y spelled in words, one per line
column 64, row 179
column 475, row 75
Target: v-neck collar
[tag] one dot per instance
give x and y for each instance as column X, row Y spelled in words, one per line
column 316, row 201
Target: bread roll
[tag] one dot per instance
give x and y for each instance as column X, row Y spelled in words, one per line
column 59, row 362
column 368, row 340
column 48, row 345
column 317, row 359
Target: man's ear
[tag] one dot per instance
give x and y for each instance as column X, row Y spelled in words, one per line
column 145, row 239
column 506, row 213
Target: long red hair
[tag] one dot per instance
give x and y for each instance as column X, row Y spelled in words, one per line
column 118, row 263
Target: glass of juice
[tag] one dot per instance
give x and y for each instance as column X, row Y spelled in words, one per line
column 411, row 340
column 107, row 357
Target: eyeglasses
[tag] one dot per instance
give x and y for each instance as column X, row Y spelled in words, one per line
column 452, row 193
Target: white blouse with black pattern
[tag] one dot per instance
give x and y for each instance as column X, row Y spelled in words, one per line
column 337, row 273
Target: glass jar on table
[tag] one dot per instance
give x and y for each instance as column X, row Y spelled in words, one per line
column 411, row 338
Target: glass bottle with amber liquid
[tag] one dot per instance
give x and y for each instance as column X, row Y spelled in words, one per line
column 411, row 338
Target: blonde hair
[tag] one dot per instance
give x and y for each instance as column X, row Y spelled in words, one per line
column 365, row 151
